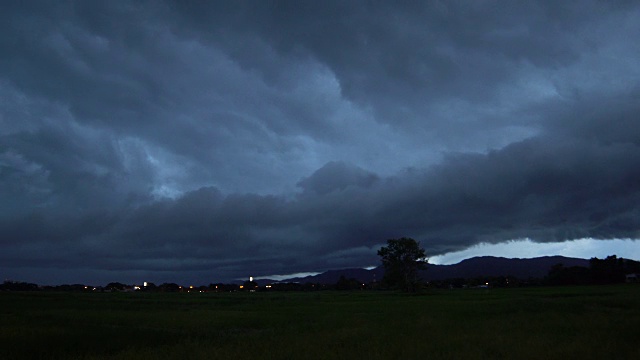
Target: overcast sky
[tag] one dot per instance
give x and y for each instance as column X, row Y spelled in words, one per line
column 195, row 141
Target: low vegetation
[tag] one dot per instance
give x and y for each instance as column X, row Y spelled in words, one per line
column 589, row 322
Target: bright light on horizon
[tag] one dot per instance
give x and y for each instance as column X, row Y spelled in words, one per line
column 526, row 248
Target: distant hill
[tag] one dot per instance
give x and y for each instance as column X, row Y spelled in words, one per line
column 498, row 266
column 469, row 268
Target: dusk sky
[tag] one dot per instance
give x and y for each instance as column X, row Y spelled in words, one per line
column 205, row 141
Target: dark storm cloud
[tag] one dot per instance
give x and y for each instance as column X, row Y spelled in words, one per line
column 184, row 141
column 400, row 58
column 336, row 176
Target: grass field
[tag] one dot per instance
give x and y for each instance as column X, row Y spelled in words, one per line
column 528, row 323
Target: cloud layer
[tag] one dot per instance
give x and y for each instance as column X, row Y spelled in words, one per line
column 176, row 141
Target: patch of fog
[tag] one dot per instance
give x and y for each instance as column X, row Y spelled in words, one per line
column 286, row 276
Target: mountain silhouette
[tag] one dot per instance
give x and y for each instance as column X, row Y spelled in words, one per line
column 470, row 268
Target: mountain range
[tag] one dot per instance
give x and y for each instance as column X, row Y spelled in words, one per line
column 469, row 268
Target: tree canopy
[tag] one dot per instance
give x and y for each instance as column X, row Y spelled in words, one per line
column 402, row 259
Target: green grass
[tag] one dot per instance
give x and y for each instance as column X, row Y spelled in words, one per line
column 531, row 323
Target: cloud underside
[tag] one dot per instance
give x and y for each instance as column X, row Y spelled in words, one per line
column 166, row 139
column 543, row 190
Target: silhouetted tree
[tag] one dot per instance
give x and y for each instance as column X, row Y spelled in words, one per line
column 631, row 267
column 402, row 259
column 610, row 270
column 607, row 271
column 574, row 275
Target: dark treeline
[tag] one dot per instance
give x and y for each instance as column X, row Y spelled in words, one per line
column 171, row 287
column 486, row 282
column 611, row 270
